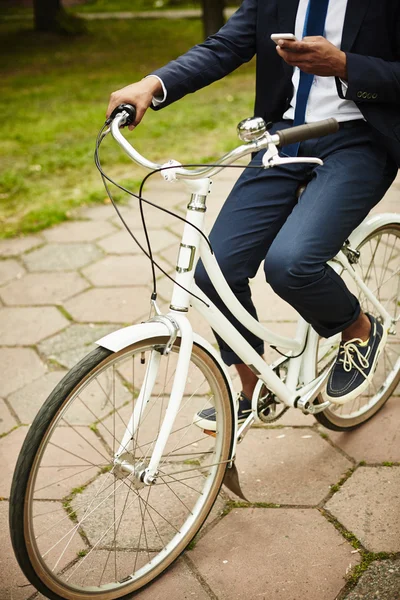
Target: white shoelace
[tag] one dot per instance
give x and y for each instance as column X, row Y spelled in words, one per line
column 350, row 351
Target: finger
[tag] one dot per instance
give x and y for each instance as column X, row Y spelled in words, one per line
column 292, row 58
column 113, row 103
column 292, row 46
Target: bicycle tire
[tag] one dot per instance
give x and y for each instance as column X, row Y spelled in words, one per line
column 33, row 458
column 379, row 253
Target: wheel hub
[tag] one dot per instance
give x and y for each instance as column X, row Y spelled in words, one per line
column 125, row 466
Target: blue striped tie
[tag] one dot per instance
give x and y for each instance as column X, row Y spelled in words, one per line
column 314, row 25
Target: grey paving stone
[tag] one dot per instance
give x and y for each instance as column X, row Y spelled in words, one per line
column 368, row 506
column 74, row 457
column 12, row 580
column 122, row 243
column 288, row 466
column 381, row 581
column 10, row 446
column 155, row 219
column 113, row 305
column 27, row 401
column 274, row 553
column 72, row 344
column 26, row 326
column 378, row 440
column 61, row 257
column 178, row 583
column 168, row 512
column 78, row 231
column 42, row 288
column 119, row 270
column 102, row 212
column 16, row 246
column 7, row 421
column 10, row 269
column 18, row 367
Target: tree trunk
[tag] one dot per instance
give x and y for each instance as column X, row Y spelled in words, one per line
column 213, row 16
column 46, row 14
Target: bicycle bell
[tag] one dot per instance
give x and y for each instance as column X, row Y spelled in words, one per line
column 251, row 129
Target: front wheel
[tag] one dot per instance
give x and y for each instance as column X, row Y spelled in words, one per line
column 84, row 528
column 379, row 268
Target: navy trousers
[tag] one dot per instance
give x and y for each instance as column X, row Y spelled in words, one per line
column 262, row 219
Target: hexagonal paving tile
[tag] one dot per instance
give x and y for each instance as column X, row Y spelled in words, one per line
column 72, row 344
column 75, row 342
column 378, row 440
column 79, row 231
column 97, row 213
column 24, row 326
column 119, row 270
column 42, row 288
column 27, row 401
column 168, row 506
column 368, row 506
column 61, row 257
column 18, row 367
column 381, row 581
column 122, row 243
column 7, row 421
column 73, row 458
column 113, row 305
column 16, row 246
column 288, row 466
column 178, row 583
column 273, row 553
column 10, row 269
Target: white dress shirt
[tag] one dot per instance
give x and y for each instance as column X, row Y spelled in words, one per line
column 323, row 101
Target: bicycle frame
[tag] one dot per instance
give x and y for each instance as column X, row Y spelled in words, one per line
column 301, row 386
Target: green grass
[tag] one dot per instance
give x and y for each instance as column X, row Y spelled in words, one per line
column 93, row 6
column 55, row 91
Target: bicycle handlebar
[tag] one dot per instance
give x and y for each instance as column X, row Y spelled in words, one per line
column 125, row 115
column 308, row 131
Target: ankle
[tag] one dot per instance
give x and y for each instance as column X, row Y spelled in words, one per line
column 360, row 329
column 248, row 392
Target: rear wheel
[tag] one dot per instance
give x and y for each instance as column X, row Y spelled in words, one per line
column 83, row 527
column 379, row 268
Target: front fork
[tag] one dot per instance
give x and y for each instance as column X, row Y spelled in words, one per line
column 149, row 474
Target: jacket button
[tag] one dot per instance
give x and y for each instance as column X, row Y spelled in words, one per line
column 364, row 95
column 369, row 97
column 374, row 96
column 359, row 94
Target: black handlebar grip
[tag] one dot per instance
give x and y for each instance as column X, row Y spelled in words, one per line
column 293, row 135
column 128, row 108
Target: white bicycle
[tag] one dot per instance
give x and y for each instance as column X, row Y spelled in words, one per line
column 115, row 478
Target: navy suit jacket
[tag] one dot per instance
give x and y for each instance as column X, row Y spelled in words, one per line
column 371, row 40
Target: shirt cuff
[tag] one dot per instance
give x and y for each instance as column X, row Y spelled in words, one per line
column 345, row 87
column 158, row 100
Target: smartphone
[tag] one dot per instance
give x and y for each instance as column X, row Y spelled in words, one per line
column 275, row 37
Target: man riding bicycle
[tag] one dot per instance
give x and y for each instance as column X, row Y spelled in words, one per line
column 344, row 63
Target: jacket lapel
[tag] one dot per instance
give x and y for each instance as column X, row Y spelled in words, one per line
column 355, row 13
column 287, row 11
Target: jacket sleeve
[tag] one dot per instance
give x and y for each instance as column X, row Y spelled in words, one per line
column 372, row 80
column 220, row 54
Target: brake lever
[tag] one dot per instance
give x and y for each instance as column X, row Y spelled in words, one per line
column 271, row 158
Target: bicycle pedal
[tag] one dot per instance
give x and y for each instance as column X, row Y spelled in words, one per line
column 209, row 432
